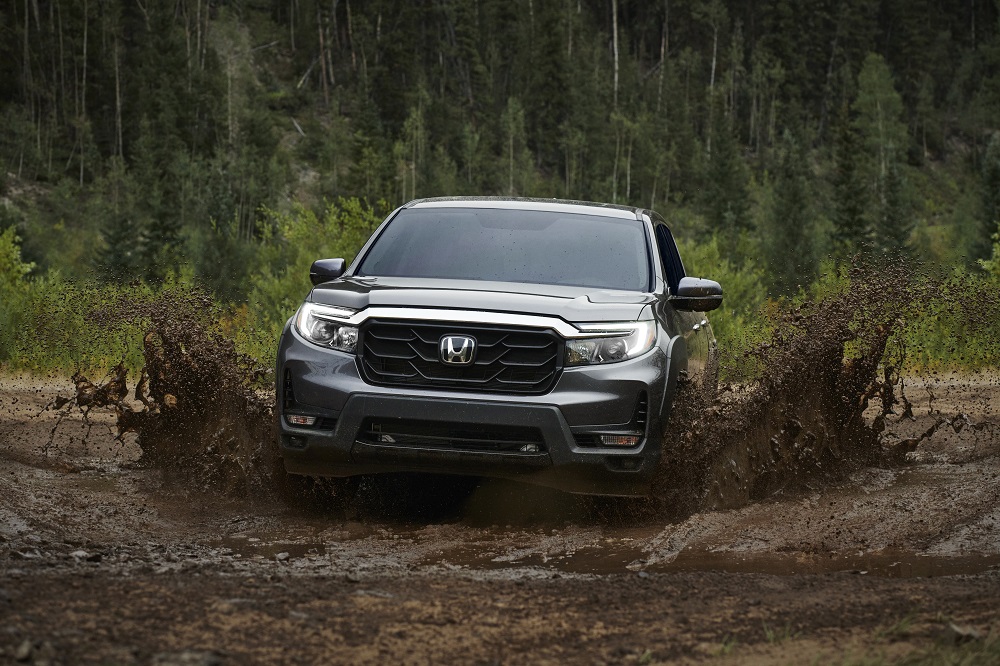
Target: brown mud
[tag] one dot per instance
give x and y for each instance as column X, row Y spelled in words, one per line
column 828, row 508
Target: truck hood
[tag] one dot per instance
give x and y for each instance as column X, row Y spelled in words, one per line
column 573, row 304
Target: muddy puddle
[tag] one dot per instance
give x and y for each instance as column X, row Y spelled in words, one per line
column 507, row 553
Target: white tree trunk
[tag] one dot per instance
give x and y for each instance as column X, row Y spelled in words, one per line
column 614, row 43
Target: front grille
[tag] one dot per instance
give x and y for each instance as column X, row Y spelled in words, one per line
column 507, row 359
column 452, row 436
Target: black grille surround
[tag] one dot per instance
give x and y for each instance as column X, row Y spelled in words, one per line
column 508, row 359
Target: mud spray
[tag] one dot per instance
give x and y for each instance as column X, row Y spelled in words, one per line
column 198, row 408
column 818, row 400
column 824, row 396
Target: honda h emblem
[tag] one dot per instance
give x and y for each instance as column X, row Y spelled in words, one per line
column 457, row 349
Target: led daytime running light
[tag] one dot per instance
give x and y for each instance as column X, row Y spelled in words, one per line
column 612, row 349
column 322, row 325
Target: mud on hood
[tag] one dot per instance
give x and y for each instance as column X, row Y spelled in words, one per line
column 573, row 304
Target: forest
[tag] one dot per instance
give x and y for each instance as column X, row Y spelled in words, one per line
column 226, row 144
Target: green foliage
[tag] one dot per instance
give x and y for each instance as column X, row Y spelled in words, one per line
column 882, row 139
column 957, row 330
column 515, row 154
column 205, row 117
column 727, row 200
column 301, row 237
column 223, row 260
column 879, row 110
column 120, row 256
column 990, row 219
column 69, row 325
column 894, row 224
column 10, row 217
column 51, row 323
column 852, row 228
column 62, row 232
column 175, row 140
column 992, row 265
column 788, row 234
column 14, row 291
column 739, row 323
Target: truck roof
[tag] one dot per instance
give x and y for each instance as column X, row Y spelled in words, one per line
column 517, row 203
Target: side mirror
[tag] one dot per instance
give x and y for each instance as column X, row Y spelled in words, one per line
column 324, row 270
column 697, row 295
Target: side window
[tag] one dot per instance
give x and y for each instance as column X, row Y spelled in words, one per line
column 670, row 256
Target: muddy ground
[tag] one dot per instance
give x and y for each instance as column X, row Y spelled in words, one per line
column 105, row 560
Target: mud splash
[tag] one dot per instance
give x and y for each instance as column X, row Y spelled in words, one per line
column 825, row 396
column 197, row 408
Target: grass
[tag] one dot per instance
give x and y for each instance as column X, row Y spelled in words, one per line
column 778, row 636
column 900, row 629
column 982, row 652
column 728, row 645
column 974, row 653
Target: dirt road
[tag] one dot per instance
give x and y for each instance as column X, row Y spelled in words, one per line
column 105, row 560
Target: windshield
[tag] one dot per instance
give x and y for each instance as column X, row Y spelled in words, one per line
column 542, row 247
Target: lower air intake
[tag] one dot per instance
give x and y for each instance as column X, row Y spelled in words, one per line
column 452, row 436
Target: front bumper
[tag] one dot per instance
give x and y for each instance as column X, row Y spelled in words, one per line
column 327, row 384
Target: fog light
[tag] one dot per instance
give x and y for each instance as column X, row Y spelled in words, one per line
column 529, row 448
column 619, row 440
column 300, row 419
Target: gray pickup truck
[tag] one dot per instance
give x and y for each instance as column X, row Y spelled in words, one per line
column 536, row 340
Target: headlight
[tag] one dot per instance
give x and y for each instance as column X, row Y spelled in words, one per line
column 319, row 324
column 612, row 349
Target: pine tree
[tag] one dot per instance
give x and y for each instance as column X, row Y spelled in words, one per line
column 120, row 256
column 546, row 99
column 512, row 124
column 878, row 118
column 788, row 244
column 895, row 218
column 726, row 196
column 991, row 199
column 883, row 137
column 851, row 227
